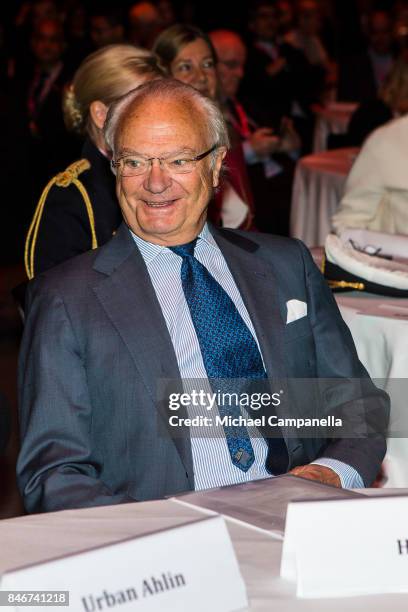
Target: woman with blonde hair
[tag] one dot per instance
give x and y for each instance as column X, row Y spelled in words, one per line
column 78, row 209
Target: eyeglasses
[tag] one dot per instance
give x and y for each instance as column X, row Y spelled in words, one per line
column 134, row 165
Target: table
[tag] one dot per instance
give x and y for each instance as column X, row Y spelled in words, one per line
column 317, row 190
column 25, row 539
column 382, row 346
column 334, row 118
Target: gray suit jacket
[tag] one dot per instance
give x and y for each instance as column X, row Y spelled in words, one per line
column 96, row 343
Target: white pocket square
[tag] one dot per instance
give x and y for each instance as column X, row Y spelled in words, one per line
column 296, row 310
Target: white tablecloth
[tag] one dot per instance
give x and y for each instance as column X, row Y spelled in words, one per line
column 382, row 346
column 26, row 539
column 331, row 119
column 317, row 190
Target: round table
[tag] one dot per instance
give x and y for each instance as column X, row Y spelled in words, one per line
column 379, row 326
column 317, row 190
column 381, row 342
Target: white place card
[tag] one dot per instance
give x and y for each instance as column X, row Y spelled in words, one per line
column 341, row 548
column 189, row 567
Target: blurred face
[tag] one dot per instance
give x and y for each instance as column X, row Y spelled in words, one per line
column 44, row 10
column 265, row 24
column 166, row 13
column 380, row 33
column 48, row 43
column 194, row 65
column 285, row 16
column 309, row 18
column 231, row 62
column 145, row 24
column 103, row 33
column 160, row 206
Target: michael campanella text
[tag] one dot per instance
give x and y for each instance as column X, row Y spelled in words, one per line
column 242, row 421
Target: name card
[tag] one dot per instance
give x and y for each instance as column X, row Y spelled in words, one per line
column 340, row 548
column 190, row 567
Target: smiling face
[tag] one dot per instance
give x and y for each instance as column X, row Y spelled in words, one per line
column 159, row 206
column 195, row 66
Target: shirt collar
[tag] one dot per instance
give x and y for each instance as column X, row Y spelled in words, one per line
column 149, row 250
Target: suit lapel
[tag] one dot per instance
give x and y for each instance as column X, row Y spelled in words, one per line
column 129, row 300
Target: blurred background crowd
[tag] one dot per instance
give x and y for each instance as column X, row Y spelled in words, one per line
column 275, row 67
column 275, row 63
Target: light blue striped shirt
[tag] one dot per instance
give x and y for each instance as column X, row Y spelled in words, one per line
column 211, row 457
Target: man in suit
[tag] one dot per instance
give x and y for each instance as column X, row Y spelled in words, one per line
column 171, row 299
column 268, row 155
column 279, row 81
column 37, row 96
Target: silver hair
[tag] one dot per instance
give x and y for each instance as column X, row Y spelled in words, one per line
column 171, row 89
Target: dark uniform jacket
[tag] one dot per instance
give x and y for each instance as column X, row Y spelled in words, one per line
column 64, row 229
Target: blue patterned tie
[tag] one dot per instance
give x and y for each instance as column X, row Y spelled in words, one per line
column 228, row 348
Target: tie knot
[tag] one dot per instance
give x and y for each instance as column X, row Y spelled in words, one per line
column 185, row 250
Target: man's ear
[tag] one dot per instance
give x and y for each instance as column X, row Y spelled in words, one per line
column 98, row 111
column 221, row 153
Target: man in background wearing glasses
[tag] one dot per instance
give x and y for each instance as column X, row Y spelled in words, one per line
column 171, row 298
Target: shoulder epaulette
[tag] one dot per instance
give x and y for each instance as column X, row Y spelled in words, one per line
column 63, row 179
